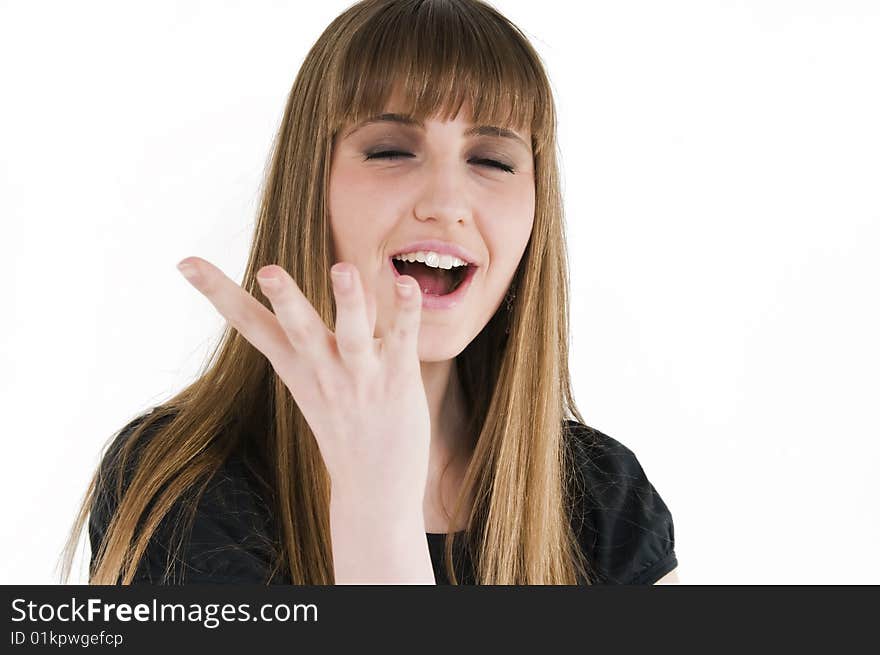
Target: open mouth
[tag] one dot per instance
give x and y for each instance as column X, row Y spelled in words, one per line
column 434, row 281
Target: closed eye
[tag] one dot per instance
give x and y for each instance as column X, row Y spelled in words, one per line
column 396, row 154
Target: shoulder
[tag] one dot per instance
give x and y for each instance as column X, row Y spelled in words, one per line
column 113, row 465
column 623, row 526
column 229, row 538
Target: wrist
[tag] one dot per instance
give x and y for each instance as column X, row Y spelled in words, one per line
column 377, row 545
column 360, row 503
column 378, row 515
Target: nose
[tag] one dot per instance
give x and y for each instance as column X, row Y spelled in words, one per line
column 443, row 195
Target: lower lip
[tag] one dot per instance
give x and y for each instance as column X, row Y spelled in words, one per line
column 450, row 300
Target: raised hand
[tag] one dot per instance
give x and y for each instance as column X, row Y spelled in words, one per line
column 362, row 396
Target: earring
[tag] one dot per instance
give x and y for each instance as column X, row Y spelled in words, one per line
column 508, row 300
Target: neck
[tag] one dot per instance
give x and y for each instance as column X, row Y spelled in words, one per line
column 445, row 405
column 450, row 443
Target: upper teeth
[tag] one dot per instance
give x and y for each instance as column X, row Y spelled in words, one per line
column 432, row 259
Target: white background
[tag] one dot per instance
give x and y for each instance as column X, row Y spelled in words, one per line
column 721, row 163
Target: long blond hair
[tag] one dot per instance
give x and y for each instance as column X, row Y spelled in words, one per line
column 514, row 373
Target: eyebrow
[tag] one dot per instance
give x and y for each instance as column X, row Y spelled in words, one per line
column 476, row 130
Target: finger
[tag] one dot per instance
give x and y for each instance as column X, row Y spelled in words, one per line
column 304, row 329
column 243, row 312
column 354, row 339
column 400, row 344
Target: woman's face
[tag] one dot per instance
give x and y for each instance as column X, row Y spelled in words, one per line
column 440, row 188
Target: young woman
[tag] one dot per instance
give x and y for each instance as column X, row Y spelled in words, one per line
column 390, row 402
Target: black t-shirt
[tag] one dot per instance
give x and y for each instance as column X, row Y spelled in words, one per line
column 622, row 524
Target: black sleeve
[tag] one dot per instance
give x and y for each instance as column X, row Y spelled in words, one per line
column 623, row 525
column 230, row 537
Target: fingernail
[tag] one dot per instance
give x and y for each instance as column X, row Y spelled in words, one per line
column 269, row 282
column 342, row 279
column 188, row 270
column 405, row 290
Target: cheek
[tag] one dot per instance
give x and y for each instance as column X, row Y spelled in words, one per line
column 345, row 190
column 355, row 187
column 508, row 228
column 361, row 213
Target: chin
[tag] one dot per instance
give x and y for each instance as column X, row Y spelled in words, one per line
column 440, row 347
